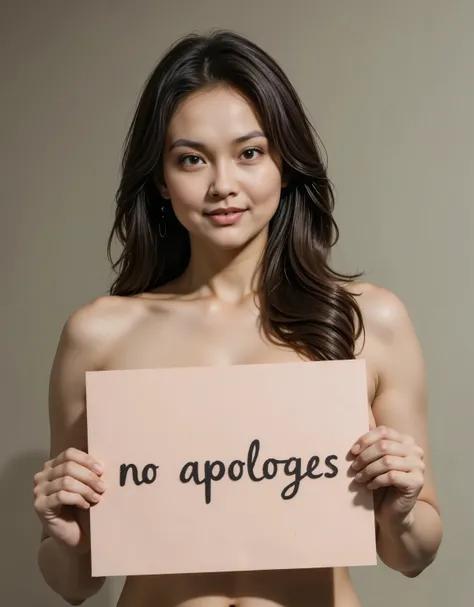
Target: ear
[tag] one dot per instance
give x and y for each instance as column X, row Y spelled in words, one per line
column 163, row 190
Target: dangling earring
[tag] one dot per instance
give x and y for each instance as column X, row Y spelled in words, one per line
column 162, row 223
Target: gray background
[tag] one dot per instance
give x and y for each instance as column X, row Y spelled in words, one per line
column 390, row 87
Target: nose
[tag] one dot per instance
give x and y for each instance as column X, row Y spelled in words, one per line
column 223, row 183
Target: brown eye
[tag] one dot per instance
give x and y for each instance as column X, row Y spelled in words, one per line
column 189, row 159
column 251, row 153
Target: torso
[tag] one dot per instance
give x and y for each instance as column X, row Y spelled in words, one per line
column 298, row 588
column 153, row 331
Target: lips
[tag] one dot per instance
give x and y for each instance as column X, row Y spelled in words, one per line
column 227, row 216
column 225, row 211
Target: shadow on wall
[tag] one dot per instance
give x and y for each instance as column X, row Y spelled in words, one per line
column 21, row 583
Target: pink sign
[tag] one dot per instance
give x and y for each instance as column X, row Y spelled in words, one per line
column 229, row 469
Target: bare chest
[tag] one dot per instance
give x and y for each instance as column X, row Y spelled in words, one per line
column 196, row 339
column 208, row 341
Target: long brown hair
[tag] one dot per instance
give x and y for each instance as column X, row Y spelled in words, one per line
column 304, row 304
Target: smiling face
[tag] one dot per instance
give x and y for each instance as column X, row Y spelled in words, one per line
column 219, row 174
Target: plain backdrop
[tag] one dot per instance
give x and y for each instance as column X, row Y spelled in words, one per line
column 390, row 88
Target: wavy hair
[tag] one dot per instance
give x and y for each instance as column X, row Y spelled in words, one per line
column 304, row 304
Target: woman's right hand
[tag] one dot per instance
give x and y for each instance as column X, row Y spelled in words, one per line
column 66, row 487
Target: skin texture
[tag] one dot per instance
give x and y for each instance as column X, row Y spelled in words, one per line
column 209, row 317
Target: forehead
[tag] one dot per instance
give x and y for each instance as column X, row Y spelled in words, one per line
column 218, row 112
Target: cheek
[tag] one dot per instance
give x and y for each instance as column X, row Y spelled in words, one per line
column 265, row 187
column 186, row 192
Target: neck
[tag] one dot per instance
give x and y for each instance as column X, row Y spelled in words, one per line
column 228, row 275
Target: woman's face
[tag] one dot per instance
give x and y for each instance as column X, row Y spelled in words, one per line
column 223, row 183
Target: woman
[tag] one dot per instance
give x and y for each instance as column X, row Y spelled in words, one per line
column 225, row 213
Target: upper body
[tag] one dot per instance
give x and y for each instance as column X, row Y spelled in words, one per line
column 225, row 213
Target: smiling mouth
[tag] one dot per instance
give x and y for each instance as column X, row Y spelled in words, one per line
column 225, row 217
column 229, row 211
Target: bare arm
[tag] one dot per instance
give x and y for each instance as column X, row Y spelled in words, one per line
column 410, row 543
column 68, row 570
column 67, row 573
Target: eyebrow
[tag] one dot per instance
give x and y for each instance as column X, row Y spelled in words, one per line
column 188, row 143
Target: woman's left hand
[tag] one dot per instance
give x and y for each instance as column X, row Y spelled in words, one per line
column 392, row 463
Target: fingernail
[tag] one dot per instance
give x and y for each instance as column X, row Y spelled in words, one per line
column 355, row 465
column 100, row 485
column 95, row 497
column 358, row 476
column 356, row 448
column 97, row 469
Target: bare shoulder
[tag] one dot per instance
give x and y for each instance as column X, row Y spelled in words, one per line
column 385, row 315
column 394, row 353
column 391, row 345
column 86, row 338
column 97, row 325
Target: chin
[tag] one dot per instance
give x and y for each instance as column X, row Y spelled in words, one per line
column 229, row 240
column 230, row 244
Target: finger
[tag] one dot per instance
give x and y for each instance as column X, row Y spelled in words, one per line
column 371, row 437
column 384, row 464
column 72, row 485
column 62, row 498
column 75, row 455
column 380, row 449
column 404, row 481
column 78, row 472
column 39, row 477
